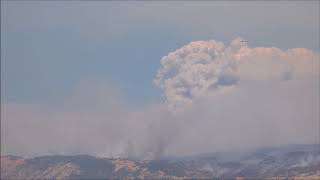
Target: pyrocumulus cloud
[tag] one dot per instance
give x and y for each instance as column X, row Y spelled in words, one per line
column 202, row 67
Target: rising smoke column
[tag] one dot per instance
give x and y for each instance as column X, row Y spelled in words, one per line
column 232, row 96
column 203, row 67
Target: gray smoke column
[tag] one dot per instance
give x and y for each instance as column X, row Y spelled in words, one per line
column 202, row 67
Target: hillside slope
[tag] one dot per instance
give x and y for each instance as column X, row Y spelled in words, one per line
column 297, row 161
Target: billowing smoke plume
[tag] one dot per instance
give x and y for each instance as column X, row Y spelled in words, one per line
column 202, row 67
column 224, row 97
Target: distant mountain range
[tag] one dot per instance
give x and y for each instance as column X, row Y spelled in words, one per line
column 299, row 161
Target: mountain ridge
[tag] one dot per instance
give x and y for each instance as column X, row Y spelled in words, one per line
column 296, row 161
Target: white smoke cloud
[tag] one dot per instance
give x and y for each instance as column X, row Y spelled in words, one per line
column 201, row 67
column 229, row 97
column 95, row 120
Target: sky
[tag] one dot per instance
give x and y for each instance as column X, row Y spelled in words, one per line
column 111, row 59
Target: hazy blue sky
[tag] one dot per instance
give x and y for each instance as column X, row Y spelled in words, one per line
column 49, row 48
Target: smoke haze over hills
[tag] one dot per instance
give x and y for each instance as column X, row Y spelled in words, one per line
column 215, row 97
